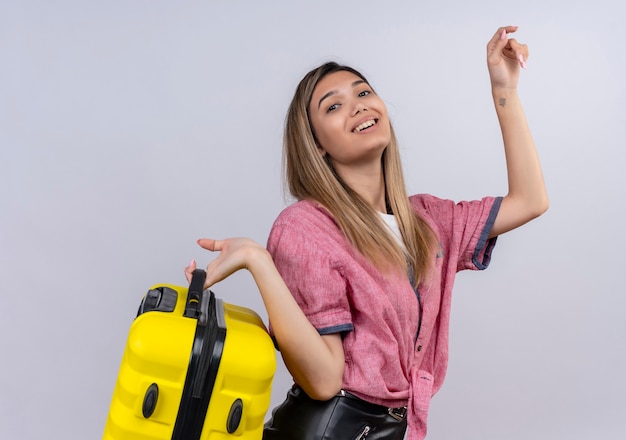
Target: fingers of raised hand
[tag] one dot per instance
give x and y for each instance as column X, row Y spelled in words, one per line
column 499, row 39
column 517, row 51
column 522, row 54
column 500, row 45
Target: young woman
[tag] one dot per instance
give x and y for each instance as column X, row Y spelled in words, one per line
column 357, row 276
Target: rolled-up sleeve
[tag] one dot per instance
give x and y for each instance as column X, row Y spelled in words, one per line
column 304, row 255
column 463, row 228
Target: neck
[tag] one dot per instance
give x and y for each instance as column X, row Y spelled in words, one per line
column 367, row 181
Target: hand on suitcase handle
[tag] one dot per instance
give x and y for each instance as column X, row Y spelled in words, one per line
column 316, row 362
column 234, row 254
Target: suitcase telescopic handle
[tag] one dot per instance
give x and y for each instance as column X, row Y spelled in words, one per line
column 194, row 294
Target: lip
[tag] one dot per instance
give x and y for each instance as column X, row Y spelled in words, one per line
column 365, row 119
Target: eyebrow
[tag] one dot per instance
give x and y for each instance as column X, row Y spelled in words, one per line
column 334, row 92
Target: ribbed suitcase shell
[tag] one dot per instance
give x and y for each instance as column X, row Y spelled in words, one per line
column 164, row 380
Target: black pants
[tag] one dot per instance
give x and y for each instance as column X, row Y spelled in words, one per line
column 341, row 418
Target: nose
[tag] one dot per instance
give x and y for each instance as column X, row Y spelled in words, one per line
column 359, row 107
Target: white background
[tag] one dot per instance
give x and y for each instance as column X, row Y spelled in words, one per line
column 128, row 129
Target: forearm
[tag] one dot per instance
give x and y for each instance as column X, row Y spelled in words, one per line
column 315, row 362
column 526, row 197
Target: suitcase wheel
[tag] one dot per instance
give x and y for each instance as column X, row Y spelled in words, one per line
column 234, row 416
column 150, row 400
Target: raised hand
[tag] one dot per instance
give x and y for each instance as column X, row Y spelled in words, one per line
column 505, row 56
column 234, row 254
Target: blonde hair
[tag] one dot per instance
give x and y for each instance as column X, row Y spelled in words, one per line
column 310, row 177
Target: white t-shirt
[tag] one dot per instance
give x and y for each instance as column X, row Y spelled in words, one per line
column 392, row 224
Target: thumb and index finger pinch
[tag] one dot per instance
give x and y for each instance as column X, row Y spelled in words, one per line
column 501, row 45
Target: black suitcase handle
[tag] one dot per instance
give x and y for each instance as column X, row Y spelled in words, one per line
column 206, row 354
column 194, row 294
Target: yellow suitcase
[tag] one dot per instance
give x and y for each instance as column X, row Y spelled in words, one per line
column 194, row 368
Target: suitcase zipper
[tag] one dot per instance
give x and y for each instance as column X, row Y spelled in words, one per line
column 363, row 433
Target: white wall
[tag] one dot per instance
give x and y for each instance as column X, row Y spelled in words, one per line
column 130, row 128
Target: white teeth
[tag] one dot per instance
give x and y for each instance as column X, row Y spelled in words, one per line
column 364, row 125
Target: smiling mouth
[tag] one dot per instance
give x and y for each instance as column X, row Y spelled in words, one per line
column 364, row 125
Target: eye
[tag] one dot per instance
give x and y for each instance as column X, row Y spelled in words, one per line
column 364, row 93
column 332, row 107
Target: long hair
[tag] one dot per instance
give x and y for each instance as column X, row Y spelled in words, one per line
column 310, row 177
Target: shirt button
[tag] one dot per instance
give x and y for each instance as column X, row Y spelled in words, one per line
column 419, row 347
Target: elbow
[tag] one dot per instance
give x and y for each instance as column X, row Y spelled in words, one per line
column 323, row 393
column 515, row 212
column 324, row 390
column 545, row 207
column 535, row 211
column 540, row 206
column 320, row 374
column 529, row 207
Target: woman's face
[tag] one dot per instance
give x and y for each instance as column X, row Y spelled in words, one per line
column 349, row 120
